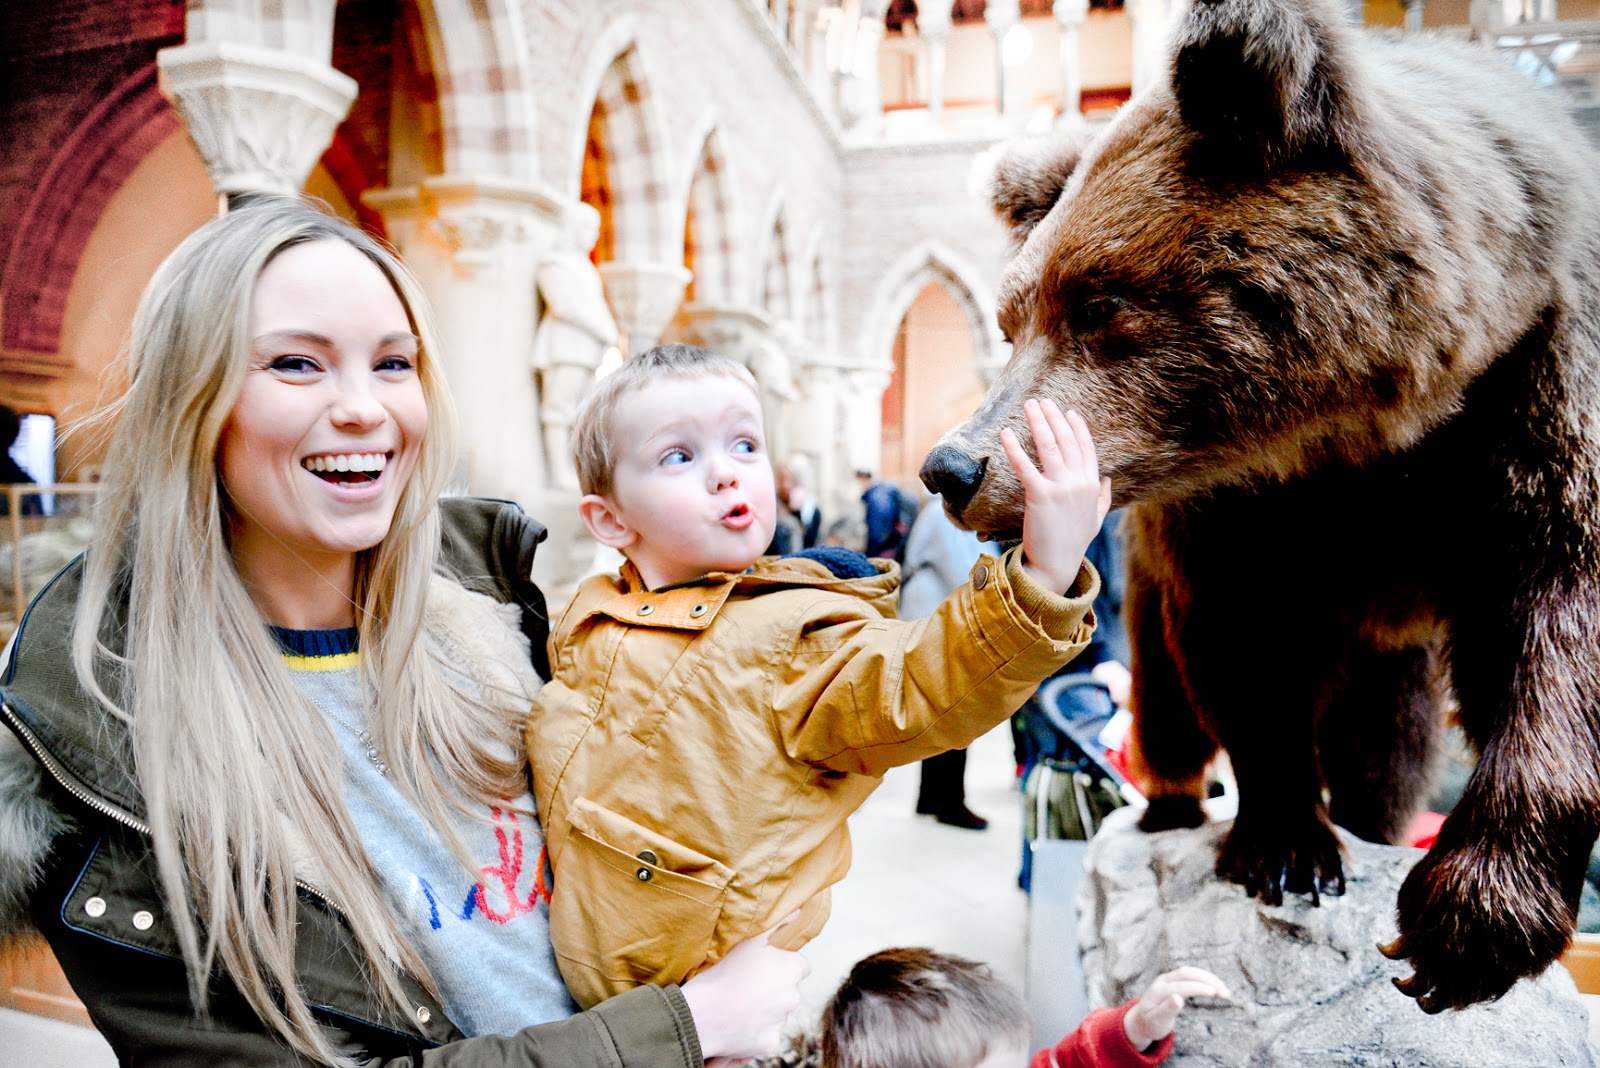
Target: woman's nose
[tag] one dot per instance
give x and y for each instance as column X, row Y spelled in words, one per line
column 357, row 404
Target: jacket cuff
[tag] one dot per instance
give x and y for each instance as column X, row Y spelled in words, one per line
column 1058, row 614
column 1111, row 1041
column 648, row 1021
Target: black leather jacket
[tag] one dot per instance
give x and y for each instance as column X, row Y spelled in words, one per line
column 76, row 861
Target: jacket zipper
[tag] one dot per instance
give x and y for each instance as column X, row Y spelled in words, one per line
column 50, row 764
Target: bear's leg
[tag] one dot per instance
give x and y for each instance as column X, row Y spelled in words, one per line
column 1496, row 898
column 1224, row 650
column 1172, row 747
column 1377, row 737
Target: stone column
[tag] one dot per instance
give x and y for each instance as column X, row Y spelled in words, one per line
column 860, row 89
column 1001, row 16
column 862, row 415
column 817, row 430
column 933, row 23
column 260, row 117
column 475, row 244
column 1070, row 17
column 1413, row 23
column 643, row 298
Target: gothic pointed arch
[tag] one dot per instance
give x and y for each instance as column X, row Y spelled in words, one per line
column 931, row 261
column 775, row 278
column 711, row 240
column 622, row 165
column 480, row 57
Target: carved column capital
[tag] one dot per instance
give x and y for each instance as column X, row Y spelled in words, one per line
column 480, row 222
column 260, row 117
column 1070, row 13
column 643, row 298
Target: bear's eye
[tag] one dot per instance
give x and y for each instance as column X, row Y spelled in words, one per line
column 1093, row 312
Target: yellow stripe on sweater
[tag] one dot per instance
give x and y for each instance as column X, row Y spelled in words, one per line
column 337, row 662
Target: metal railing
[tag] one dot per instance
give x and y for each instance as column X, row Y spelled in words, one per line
column 45, row 526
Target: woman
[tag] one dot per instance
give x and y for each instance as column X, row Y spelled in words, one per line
column 264, row 745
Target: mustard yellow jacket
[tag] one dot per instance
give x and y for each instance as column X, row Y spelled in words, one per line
column 699, row 747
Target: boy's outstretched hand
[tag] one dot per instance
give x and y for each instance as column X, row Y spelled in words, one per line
column 1065, row 497
column 1152, row 1017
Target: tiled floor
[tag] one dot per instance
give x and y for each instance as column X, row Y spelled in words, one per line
column 916, row 882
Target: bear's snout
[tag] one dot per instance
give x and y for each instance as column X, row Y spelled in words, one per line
column 953, row 475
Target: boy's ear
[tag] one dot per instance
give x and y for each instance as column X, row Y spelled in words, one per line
column 604, row 523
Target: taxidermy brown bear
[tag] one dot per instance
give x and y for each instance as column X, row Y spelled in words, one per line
column 1330, row 303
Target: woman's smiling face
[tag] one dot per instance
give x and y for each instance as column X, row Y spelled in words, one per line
column 326, row 430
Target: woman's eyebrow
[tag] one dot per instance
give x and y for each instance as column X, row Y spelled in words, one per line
column 311, row 337
column 300, row 337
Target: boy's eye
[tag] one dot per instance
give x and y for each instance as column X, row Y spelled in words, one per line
column 297, row 365
column 675, row 456
column 745, row 446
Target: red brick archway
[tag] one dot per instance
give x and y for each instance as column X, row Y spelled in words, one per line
column 53, row 227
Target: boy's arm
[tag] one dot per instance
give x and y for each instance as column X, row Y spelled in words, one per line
column 868, row 697
column 863, row 694
column 1100, row 1041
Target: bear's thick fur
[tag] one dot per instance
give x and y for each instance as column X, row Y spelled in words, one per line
column 1330, row 303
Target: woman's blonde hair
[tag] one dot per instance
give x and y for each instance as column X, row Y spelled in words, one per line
column 240, row 773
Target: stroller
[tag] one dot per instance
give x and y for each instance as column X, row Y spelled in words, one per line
column 1069, row 785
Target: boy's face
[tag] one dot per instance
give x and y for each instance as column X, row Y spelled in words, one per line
column 692, row 491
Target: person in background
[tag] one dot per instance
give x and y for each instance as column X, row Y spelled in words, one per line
column 11, row 473
column 888, row 514
column 939, row 556
column 794, row 493
column 917, row 1008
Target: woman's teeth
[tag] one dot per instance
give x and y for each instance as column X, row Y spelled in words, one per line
column 372, row 462
column 347, row 467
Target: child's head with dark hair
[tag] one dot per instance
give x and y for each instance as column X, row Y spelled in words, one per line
column 916, row 1008
column 10, row 427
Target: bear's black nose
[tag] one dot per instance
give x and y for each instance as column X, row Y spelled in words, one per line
column 953, row 475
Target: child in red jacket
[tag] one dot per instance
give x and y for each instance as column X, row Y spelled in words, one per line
column 915, row 1008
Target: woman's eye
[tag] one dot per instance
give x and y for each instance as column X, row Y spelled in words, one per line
column 297, row 365
column 394, row 363
column 675, row 456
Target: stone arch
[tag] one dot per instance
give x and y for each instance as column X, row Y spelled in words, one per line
column 301, row 27
column 815, row 314
column 712, row 240
column 480, row 59
column 66, row 202
column 622, row 140
column 774, row 276
column 931, row 261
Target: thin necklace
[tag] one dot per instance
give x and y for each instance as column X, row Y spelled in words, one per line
column 363, row 736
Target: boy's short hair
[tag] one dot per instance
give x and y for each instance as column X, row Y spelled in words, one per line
column 592, row 434
column 917, row 1008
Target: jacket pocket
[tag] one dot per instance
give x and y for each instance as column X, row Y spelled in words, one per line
column 631, row 905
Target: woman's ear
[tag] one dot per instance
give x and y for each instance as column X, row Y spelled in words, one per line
column 605, row 523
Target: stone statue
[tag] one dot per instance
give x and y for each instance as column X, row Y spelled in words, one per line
column 575, row 330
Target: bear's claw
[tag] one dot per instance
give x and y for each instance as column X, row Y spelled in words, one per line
column 1268, row 864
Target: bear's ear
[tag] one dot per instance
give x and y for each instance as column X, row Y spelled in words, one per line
column 1263, row 82
column 1022, row 179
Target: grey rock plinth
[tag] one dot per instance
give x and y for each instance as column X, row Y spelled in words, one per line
column 1309, row 985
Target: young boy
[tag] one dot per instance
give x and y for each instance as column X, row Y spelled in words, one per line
column 915, row 1008
column 712, row 720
